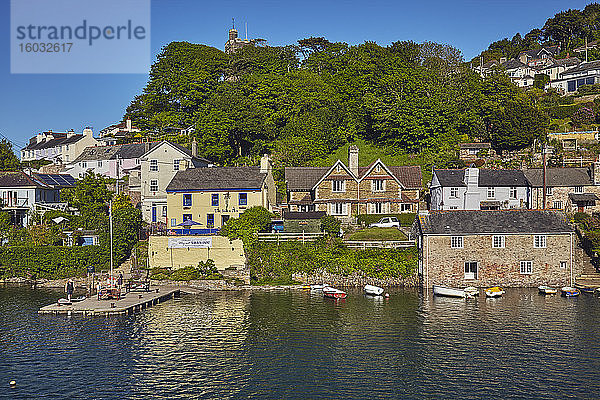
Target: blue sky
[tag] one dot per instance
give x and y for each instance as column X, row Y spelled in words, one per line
column 31, row 103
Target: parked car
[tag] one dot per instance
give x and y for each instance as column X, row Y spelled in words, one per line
column 386, row 222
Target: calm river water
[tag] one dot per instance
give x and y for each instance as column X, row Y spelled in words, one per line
column 282, row 345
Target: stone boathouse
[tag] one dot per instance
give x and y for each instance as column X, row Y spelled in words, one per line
column 512, row 248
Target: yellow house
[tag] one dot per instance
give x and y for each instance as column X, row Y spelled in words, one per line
column 201, row 200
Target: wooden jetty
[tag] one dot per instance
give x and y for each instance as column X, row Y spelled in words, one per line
column 128, row 304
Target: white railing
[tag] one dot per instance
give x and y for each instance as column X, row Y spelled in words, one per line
column 289, row 237
column 51, row 206
column 385, row 244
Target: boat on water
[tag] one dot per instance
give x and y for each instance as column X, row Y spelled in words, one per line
column 495, row 291
column 318, row 286
column 373, row 290
column 448, row 291
column 64, row 302
column 585, row 289
column 569, row 291
column 547, row 289
column 471, row 291
column 334, row 293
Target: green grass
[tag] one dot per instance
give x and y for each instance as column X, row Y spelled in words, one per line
column 378, row 234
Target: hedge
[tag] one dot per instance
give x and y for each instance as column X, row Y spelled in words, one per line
column 271, row 262
column 562, row 112
column 51, row 262
column 406, row 219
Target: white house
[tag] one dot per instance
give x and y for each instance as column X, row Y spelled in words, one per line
column 58, row 147
column 586, row 73
column 478, row 189
column 23, row 194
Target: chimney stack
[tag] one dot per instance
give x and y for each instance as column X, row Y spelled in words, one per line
column 88, row 131
column 183, row 165
column 194, row 148
column 353, row 159
column 265, row 164
column 146, row 146
column 128, row 125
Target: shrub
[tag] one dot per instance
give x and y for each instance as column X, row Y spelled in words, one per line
column 330, row 225
column 562, row 111
column 583, row 116
column 580, row 217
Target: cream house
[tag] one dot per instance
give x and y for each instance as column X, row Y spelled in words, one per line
column 58, row 147
column 208, row 197
column 158, row 166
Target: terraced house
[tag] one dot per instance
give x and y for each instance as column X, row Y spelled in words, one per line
column 201, row 200
column 346, row 191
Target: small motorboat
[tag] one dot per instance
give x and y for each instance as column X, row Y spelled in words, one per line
column 64, row 302
column 373, row 290
column 448, row 291
column 585, row 289
column 547, row 289
column 334, row 293
column 77, row 299
column 495, row 291
column 471, row 291
column 318, row 286
column 569, row 291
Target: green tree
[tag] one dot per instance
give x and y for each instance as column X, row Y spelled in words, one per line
column 8, row 160
column 331, row 225
column 253, row 220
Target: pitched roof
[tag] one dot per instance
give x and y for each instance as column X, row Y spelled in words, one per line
column 584, row 66
column 512, row 64
column 11, row 179
column 559, row 177
column 56, row 180
column 462, row 222
column 483, row 145
column 122, row 151
column 221, row 178
column 59, row 139
column 305, row 178
column 183, row 149
column 487, row 177
column 536, row 52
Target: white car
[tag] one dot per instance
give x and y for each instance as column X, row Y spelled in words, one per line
column 386, row 222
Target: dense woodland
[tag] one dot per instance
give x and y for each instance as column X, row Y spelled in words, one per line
column 302, row 102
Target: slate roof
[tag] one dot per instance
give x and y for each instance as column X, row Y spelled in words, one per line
column 123, row 151
column 584, row 66
column 512, row 64
column 221, row 178
column 559, row 177
column 583, row 197
column 10, row 179
column 199, row 161
column 475, row 145
column 462, row 222
column 59, row 139
column 305, row 178
column 535, row 52
column 487, row 177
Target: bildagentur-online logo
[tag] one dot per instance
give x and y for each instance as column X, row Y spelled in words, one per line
column 84, row 31
column 79, row 36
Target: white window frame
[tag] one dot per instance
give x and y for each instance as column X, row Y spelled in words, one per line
column 526, row 267
column 512, row 192
column 539, row 241
column 378, row 205
column 154, row 165
column 343, row 209
column 454, row 193
column 175, row 165
column 491, row 192
column 173, row 222
column 154, row 185
column 578, row 189
column 563, row 265
column 558, row 205
column 99, row 164
column 457, row 242
column 471, row 275
column 548, row 190
column 375, row 183
column 498, row 241
column 341, row 183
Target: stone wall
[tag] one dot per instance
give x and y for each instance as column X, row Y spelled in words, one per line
column 355, row 280
column 562, row 194
column 225, row 253
column 443, row 265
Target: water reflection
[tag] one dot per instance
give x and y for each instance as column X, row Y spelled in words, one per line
column 300, row 345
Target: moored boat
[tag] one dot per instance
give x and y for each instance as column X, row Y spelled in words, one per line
column 547, row 289
column 318, row 286
column 448, row 291
column 373, row 290
column 585, row 289
column 495, row 291
column 334, row 293
column 569, row 291
column 471, row 291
